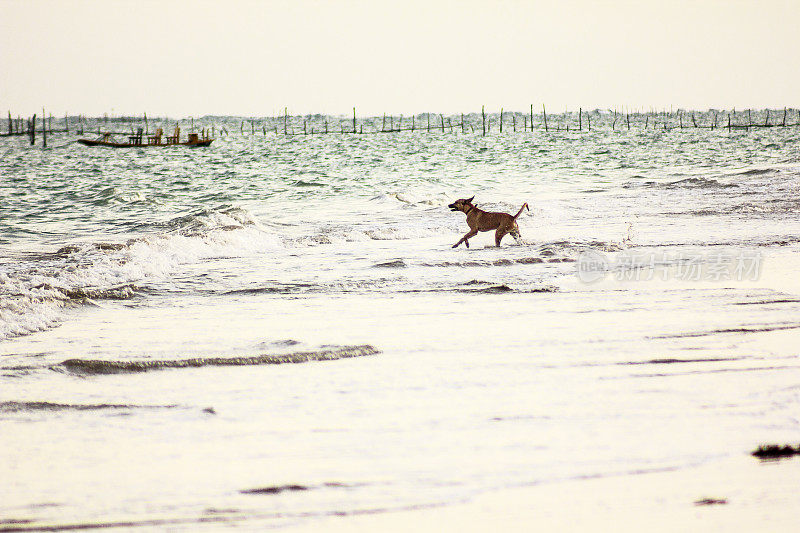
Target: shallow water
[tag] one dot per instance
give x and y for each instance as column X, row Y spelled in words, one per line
column 495, row 368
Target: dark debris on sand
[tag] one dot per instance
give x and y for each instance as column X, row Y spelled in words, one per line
column 711, row 501
column 277, row 489
column 769, row 452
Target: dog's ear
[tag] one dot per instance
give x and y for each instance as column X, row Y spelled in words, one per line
column 470, row 200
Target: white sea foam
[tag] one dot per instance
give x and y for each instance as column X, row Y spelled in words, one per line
column 34, row 292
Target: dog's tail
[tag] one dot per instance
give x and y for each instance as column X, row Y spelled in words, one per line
column 524, row 206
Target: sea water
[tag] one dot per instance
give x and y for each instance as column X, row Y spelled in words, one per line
column 646, row 321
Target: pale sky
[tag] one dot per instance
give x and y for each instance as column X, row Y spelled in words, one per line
column 253, row 58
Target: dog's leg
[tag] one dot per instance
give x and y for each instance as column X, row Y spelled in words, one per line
column 465, row 238
column 498, row 236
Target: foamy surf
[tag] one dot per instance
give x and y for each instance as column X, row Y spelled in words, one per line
column 35, row 290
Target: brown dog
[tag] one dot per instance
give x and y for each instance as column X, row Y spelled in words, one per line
column 479, row 220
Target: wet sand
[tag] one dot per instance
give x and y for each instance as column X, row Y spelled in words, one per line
column 739, row 493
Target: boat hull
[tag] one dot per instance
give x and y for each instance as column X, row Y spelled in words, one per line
column 90, row 142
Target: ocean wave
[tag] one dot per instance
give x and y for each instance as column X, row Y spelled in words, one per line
column 474, row 287
column 16, row 407
column 757, row 172
column 345, row 233
column 397, row 263
column 767, row 207
column 276, row 288
column 301, row 183
column 94, row 366
column 22, row 314
column 686, row 183
column 500, row 262
column 744, row 329
column 492, row 289
column 752, row 242
column 35, row 289
column 409, row 199
column 698, row 183
column 223, row 217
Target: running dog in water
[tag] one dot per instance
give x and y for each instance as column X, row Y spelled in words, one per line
column 479, row 220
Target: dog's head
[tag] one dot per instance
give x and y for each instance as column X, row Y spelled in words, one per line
column 462, row 204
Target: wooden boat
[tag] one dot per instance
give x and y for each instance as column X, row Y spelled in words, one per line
column 137, row 140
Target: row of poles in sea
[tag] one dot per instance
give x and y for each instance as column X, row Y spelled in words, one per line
column 426, row 122
column 563, row 122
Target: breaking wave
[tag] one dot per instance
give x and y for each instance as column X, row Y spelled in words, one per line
column 35, row 289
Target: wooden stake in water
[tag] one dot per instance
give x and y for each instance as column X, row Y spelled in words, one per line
column 531, row 117
column 354, row 122
column 483, row 120
column 544, row 114
column 501, row 120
